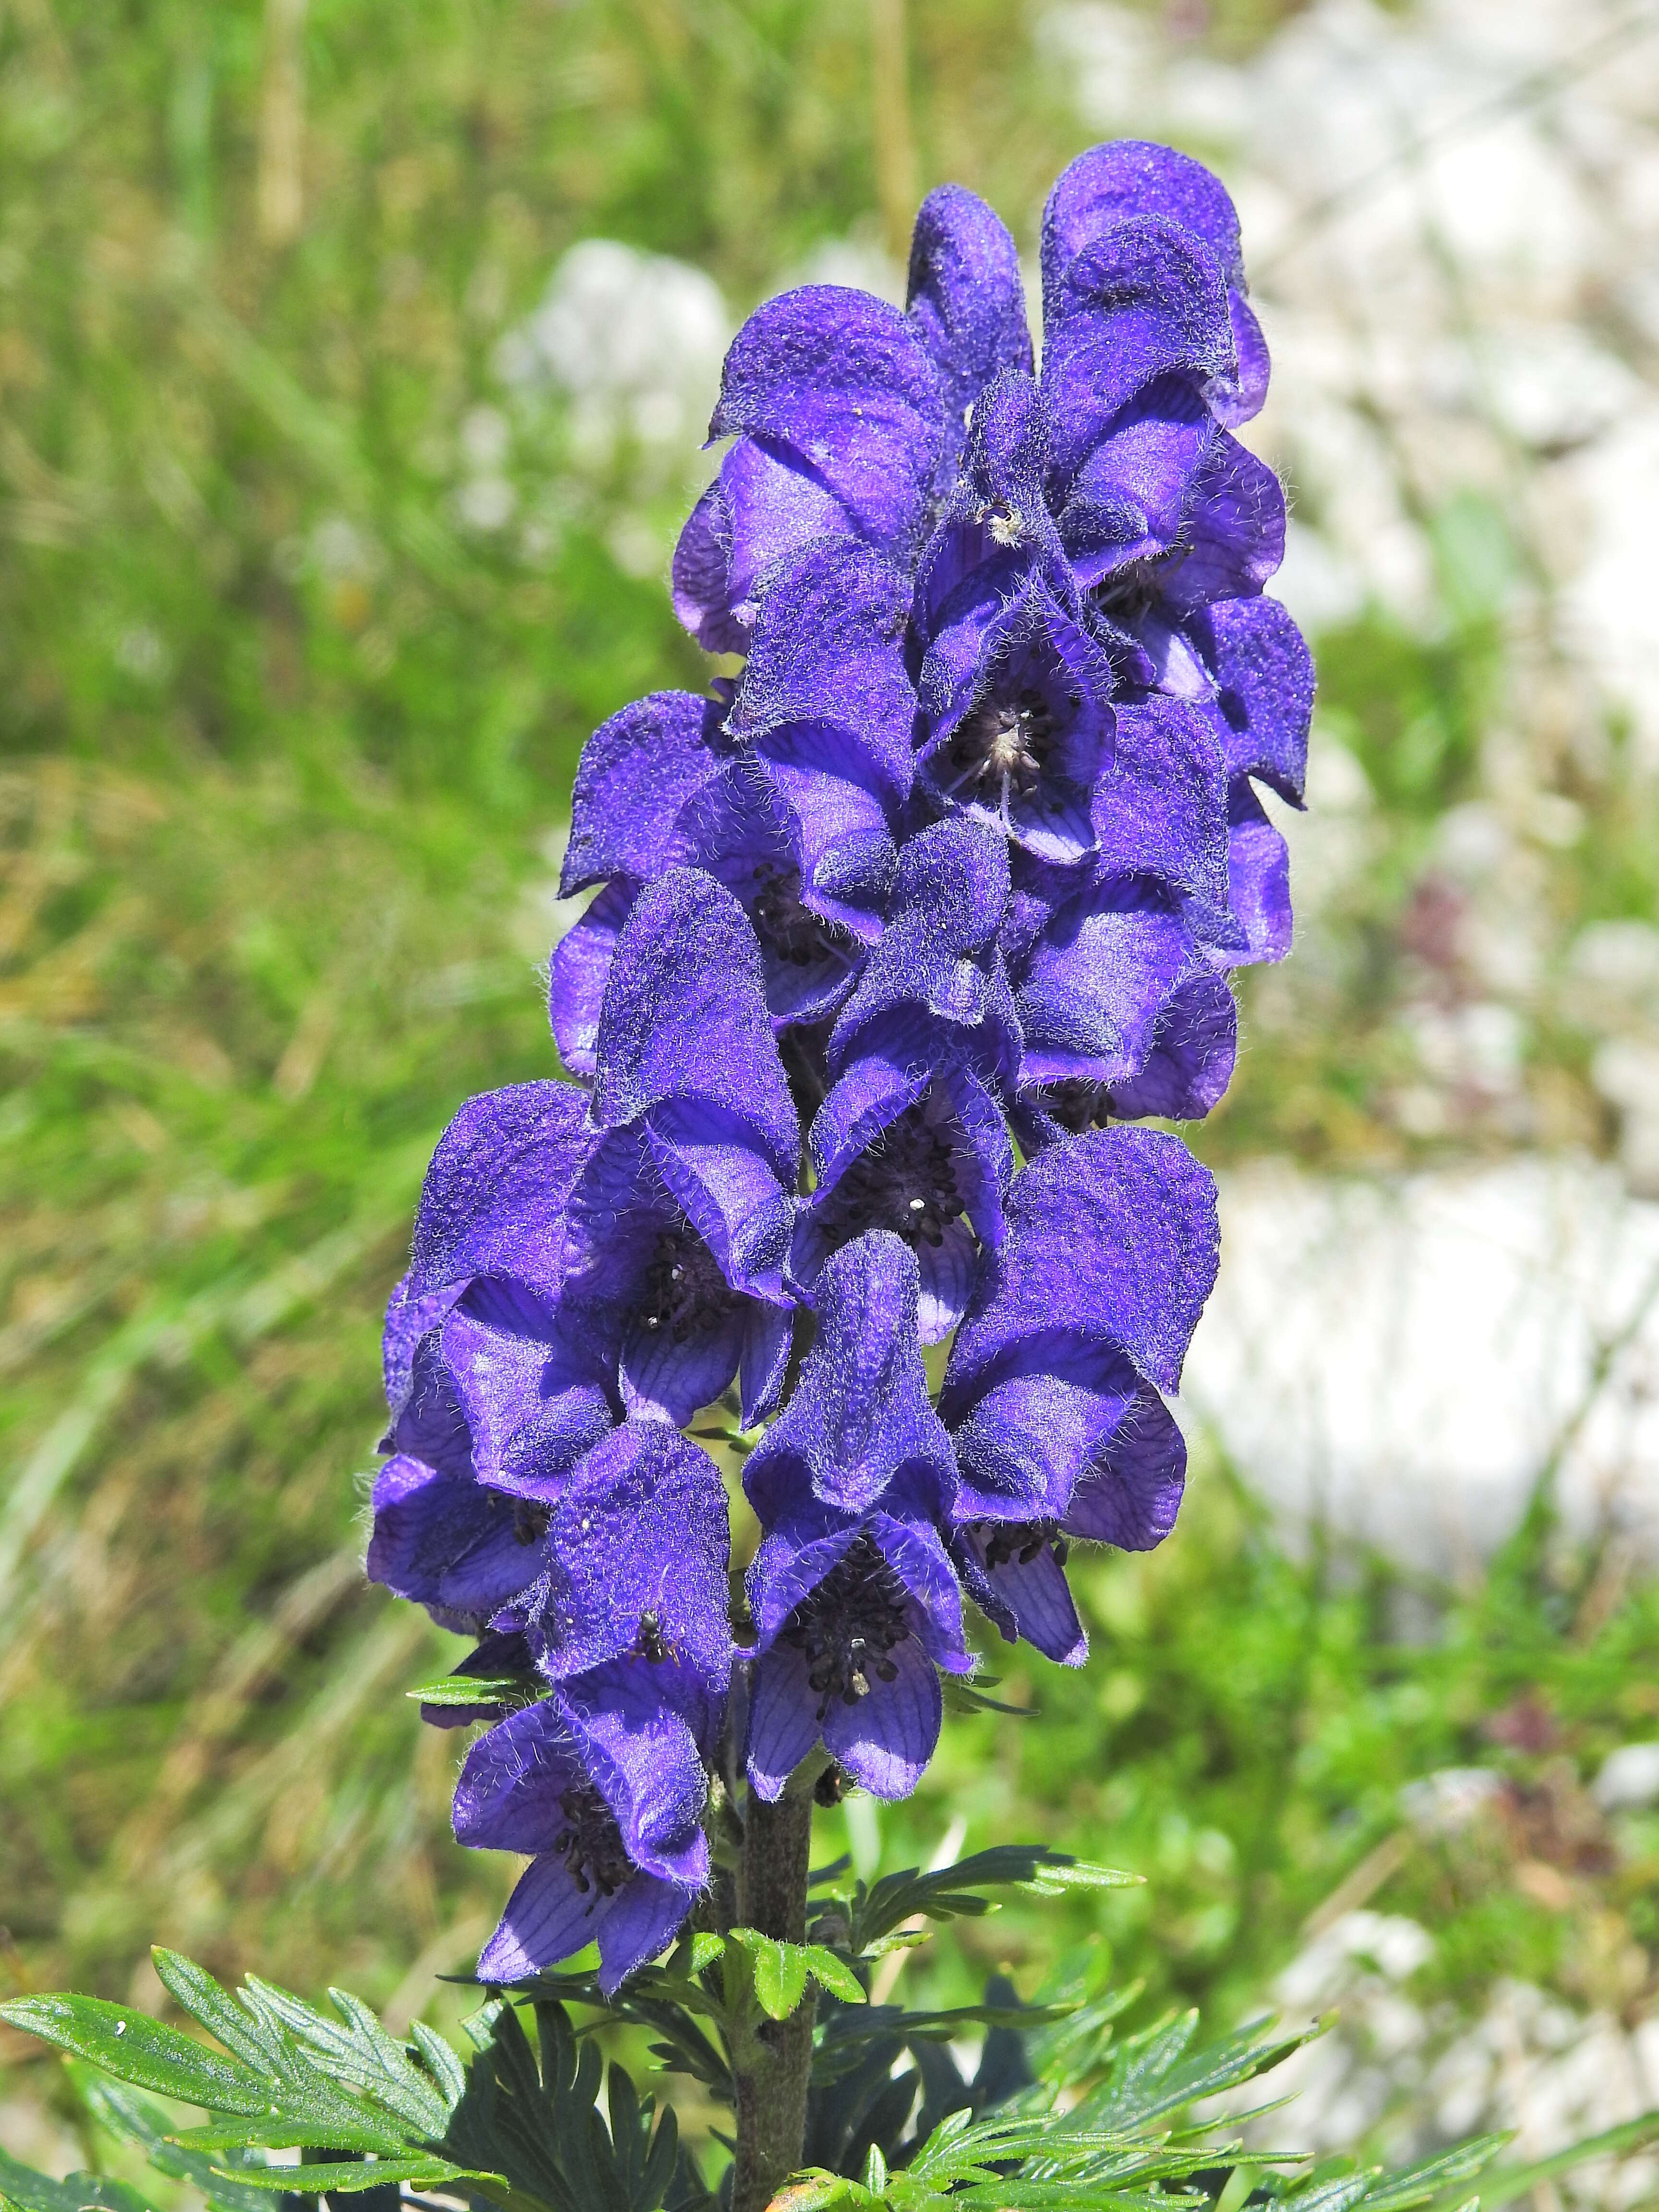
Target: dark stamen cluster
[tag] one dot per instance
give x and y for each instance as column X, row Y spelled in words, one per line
column 1000, row 747
column 849, row 1623
column 1129, row 593
column 1020, row 1541
column 530, row 1520
column 1077, row 1104
column 905, row 1181
column 789, row 932
column 685, row 1293
column 591, row 1845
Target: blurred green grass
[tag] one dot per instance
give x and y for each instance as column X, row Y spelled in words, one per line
column 276, row 884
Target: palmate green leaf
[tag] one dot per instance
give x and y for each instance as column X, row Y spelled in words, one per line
column 424, row 2171
column 125, row 2113
column 779, row 1971
column 1416, row 2184
column 23, row 2190
column 137, row 2049
column 957, row 1892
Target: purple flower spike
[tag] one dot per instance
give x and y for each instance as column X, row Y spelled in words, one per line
column 965, row 853
column 855, row 1616
column 618, row 1863
column 859, row 1424
column 965, row 296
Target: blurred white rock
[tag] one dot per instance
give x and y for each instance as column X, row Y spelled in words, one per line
column 1629, row 1779
column 1404, row 1359
column 633, row 341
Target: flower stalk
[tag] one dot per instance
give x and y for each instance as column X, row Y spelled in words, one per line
column 773, row 2066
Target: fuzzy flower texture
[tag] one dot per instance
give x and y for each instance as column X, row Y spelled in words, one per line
column 893, row 934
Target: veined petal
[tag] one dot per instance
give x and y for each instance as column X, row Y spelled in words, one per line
column 885, row 1740
column 1130, row 1493
column 547, row 1919
column 783, row 1720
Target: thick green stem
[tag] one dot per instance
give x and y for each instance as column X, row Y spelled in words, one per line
column 774, row 2067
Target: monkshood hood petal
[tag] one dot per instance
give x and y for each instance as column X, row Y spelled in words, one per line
column 1259, row 877
column 1129, row 177
column 937, row 969
column 1020, row 734
column 909, row 1140
column 1143, row 300
column 684, row 1019
column 856, row 1613
column 965, row 298
column 827, row 704
column 1264, row 690
column 858, row 1421
column 494, row 1198
column 637, row 1552
column 1132, row 1460
column 1112, row 1241
column 1160, row 812
column 637, row 773
column 1091, row 993
column 679, row 1233
column 410, row 1315
column 461, row 1549
column 842, row 431
column 618, row 1855
column 1128, row 503
column 1185, row 1072
column 736, row 828
column 533, row 1396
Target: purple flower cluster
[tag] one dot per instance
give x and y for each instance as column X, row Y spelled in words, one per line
column 958, row 863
